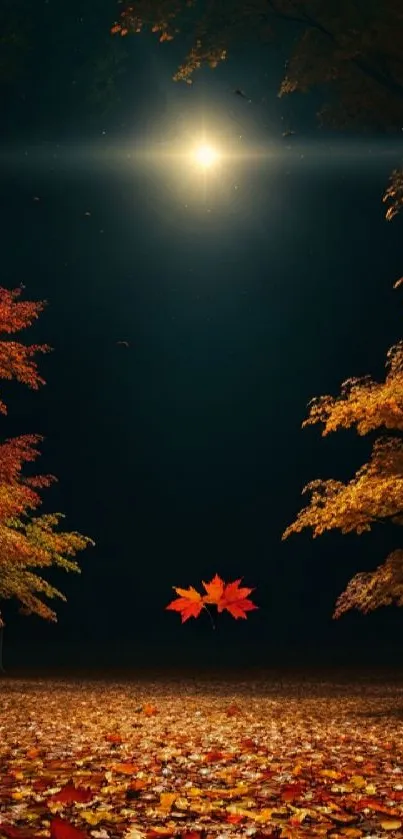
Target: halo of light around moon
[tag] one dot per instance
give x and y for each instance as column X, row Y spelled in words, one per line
column 206, row 156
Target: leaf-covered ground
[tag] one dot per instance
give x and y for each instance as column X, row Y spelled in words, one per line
column 200, row 759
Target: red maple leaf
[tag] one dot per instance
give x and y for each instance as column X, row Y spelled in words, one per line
column 70, row 793
column 227, row 596
column 13, row 832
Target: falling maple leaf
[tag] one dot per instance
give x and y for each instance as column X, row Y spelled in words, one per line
column 232, row 598
column 227, row 596
column 189, row 603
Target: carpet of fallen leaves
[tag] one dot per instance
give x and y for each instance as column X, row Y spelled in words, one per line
column 199, row 759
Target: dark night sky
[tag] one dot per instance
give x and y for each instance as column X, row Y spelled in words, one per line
column 182, row 455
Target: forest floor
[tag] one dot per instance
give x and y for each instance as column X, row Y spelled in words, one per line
column 200, row 758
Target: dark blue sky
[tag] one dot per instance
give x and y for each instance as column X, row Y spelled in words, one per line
column 182, row 455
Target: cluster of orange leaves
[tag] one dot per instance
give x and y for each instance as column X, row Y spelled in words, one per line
column 226, row 596
column 17, row 359
column 159, row 19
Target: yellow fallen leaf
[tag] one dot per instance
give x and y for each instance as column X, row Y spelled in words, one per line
column 167, row 799
column 94, row 817
column 370, row 789
column 358, row 781
column 351, row 832
column 331, row 773
column 391, row 824
column 181, row 803
column 91, row 817
column 263, row 815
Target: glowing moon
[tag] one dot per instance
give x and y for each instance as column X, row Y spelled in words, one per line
column 206, row 156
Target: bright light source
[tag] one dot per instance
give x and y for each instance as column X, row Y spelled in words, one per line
column 206, row 156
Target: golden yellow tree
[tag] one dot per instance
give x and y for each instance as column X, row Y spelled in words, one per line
column 375, row 494
column 348, row 50
column 28, row 542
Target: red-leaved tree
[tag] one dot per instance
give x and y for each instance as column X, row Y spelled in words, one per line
column 28, row 541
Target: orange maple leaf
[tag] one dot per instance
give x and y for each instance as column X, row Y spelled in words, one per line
column 215, row 590
column 227, row 596
column 189, row 603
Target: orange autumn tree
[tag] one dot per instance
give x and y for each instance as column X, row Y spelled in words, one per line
column 28, row 542
column 375, row 493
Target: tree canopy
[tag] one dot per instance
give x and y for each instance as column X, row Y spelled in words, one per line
column 347, row 50
column 28, row 542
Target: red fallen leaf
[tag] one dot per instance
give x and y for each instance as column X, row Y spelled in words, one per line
column 32, row 753
column 234, row 818
column 323, row 795
column 191, row 834
column 40, row 784
column 62, row 829
column 113, row 738
column 248, row 743
column 211, row 757
column 373, row 804
column 58, row 764
column 149, row 710
column 291, row 791
column 70, row 793
column 139, row 783
column 233, row 710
